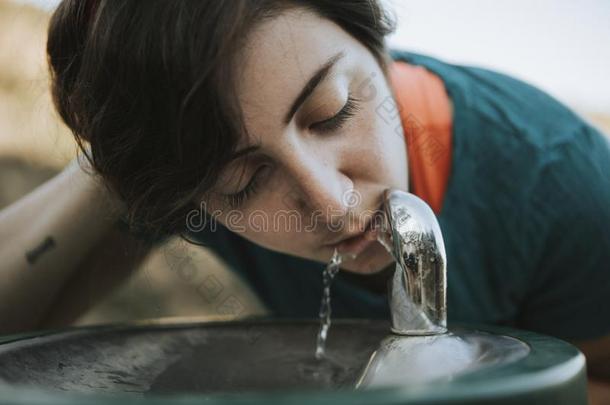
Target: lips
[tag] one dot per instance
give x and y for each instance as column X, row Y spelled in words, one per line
column 351, row 246
column 354, row 235
column 357, row 244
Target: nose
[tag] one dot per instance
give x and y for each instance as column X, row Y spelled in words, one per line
column 319, row 186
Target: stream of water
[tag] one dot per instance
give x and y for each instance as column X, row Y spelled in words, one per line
column 332, row 268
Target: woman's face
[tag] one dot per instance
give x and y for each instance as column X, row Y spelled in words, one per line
column 313, row 99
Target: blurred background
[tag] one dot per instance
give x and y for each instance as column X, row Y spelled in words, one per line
column 560, row 46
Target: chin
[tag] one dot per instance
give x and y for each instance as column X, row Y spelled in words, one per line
column 372, row 260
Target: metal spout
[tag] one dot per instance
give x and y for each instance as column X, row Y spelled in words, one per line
column 417, row 291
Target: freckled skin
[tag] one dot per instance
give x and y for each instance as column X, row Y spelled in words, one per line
column 319, row 178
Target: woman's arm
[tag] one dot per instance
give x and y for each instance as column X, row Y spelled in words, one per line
column 113, row 260
column 45, row 236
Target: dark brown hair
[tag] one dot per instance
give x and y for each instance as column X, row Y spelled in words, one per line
column 148, row 86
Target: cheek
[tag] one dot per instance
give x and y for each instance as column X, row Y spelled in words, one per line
column 381, row 148
column 388, row 137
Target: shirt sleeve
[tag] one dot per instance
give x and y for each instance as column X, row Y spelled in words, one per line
column 569, row 294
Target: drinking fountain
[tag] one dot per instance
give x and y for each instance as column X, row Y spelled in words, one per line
column 417, row 291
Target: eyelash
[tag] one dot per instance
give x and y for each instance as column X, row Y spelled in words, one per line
column 237, row 199
column 334, row 123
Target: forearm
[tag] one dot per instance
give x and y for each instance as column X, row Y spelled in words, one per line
column 106, row 267
column 44, row 237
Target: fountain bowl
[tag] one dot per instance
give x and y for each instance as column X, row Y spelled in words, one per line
column 262, row 361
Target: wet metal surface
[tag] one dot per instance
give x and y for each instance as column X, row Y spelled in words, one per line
column 418, row 290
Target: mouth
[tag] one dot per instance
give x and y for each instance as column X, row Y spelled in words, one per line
column 356, row 243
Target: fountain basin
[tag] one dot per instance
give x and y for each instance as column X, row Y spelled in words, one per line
column 266, row 361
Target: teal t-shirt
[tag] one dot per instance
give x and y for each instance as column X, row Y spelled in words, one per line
column 525, row 219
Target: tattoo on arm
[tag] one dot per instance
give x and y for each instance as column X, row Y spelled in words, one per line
column 33, row 255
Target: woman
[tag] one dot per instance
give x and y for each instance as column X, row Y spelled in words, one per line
column 208, row 118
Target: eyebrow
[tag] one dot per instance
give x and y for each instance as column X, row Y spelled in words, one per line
column 321, row 73
column 311, row 85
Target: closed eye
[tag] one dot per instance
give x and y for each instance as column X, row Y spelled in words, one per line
column 333, row 123
column 337, row 121
column 237, row 199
